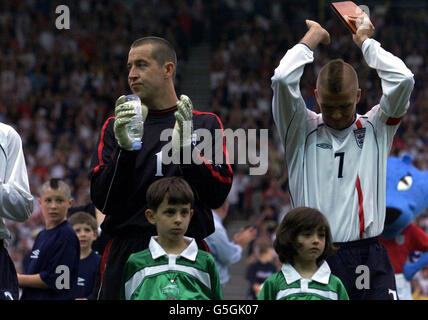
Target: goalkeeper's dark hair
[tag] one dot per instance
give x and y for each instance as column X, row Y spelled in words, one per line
column 175, row 189
column 163, row 51
column 296, row 221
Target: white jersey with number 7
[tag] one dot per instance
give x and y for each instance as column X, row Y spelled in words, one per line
column 342, row 173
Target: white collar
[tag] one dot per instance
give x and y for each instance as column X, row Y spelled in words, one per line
column 216, row 216
column 322, row 275
column 189, row 253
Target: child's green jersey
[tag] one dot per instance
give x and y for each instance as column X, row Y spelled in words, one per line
column 287, row 284
column 152, row 274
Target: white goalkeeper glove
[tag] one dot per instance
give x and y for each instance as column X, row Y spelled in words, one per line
column 124, row 111
column 365, row 29
column 183, row 128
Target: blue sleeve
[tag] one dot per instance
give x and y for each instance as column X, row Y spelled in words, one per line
column 224, row 251
column 62, row 263
column 94, row 277
column 250, row 275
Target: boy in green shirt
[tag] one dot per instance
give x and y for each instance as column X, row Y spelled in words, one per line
column 303, row 242
column 172, row 268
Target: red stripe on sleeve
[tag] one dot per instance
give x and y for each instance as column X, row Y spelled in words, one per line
column 361, row 209
column 101, row 146
column 393, row 121
column 224, row 140
column 215, row 174
column 104, row 259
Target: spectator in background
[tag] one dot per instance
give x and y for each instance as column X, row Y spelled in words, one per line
column 237, row 191
column 267, row 221
column 52, row 271
column 86, row 229
column 27, row 253
column 38, row 66
column 49, row 65
column 284, row 207
column 415, row 61
column 422, row 222
column 102, row 238
column 263, row 264
column 227, row 252
column 420, row 285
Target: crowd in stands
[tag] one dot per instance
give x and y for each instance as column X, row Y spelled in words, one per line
column 59, row 86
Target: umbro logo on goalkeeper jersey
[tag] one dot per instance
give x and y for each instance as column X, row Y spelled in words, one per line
column 7, row 295
column 194, row 138
column 35, row 254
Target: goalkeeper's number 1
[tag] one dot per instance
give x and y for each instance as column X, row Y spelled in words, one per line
column 159, row 164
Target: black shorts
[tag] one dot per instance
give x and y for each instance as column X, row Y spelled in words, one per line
column 365, row 270
column 116, row 253
column 8, row 279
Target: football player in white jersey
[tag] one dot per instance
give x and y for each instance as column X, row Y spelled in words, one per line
column 337, row 159
column 16, row 203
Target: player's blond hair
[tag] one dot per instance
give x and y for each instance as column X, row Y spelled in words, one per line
column 337, row 76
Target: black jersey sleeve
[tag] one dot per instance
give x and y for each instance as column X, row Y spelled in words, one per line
column 109, row 165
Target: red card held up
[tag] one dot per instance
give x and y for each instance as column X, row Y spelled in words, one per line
column 347, row 8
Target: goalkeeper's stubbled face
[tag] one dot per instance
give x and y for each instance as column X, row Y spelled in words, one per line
column 145, row 77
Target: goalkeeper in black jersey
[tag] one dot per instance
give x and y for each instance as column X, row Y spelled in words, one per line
column 120, row 176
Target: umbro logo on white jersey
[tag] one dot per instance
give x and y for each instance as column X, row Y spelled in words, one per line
column 35, row 254
column 324, row 145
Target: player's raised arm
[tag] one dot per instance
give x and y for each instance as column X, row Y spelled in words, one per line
column 397, row 80
column 287, row 103
column 315, row 35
